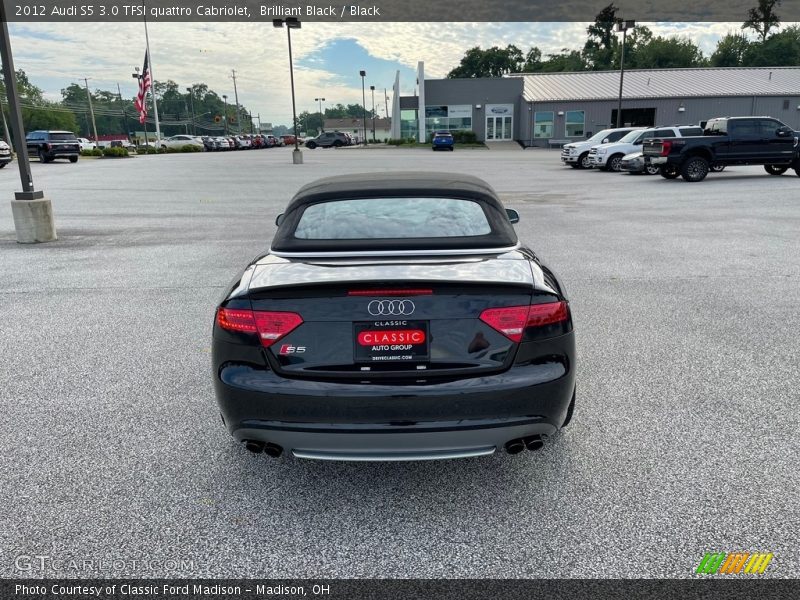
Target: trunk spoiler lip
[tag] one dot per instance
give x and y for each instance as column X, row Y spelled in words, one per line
column 397, row 253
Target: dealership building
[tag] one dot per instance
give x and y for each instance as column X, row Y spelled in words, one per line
column 542, row 109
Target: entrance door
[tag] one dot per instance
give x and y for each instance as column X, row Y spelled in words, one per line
column 498, row 128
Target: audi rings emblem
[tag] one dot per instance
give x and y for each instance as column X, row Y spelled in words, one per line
column 390, row 308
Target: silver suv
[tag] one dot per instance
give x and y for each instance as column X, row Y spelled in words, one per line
column 335, row 139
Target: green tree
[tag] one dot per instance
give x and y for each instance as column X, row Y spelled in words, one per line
column 601, row 46
column 667, row 53
column 492, row 62
column 763, row 18
column 781, row 49
column 533, row 60
column 730, row 50
column 566, row 60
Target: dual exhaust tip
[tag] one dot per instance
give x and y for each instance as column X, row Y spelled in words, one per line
column 532, row 443
column 268, row 448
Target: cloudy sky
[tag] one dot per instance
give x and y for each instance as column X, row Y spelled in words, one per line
column 327, row 56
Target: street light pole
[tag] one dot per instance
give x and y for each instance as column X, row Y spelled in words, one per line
column 32, row 212
column 364, row 103
column 225, row 98
column 292, row 23
column 372, row 89
column 622, row 26
column 191, row 103
column 236, row 97
column 321, row 116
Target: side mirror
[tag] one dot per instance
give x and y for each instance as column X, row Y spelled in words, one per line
column 605, row 141
column 783, row 131
column 279, row 219
column 638, row 142
column 513, row 216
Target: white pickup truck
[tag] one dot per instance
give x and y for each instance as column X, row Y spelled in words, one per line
column 576, row 154
column 608, row 156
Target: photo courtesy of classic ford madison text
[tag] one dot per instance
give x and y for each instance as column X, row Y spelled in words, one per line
column 399, row 300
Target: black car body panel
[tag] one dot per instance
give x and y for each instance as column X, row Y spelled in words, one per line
column 342, row 382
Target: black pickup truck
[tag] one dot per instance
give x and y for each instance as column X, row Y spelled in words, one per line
column 727, row 141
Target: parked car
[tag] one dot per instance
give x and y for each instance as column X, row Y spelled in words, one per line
column 576, row 154
column 86, row 144
column 50, row 145
column 242, row 143
column 608, row 156
column 442, row 140
column 5, row 154
column 288, row 140
column 727, row 141
column 329, row 139
column 208, row 143
column 276, row 141
column 635, row 165
column 179, row 141
column 410, row 350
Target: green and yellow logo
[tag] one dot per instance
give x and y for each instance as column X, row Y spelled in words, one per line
column 733, row 563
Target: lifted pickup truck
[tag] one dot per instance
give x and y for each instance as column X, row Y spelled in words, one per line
column 727, row 141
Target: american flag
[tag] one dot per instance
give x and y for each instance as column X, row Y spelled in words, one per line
column 144, row 86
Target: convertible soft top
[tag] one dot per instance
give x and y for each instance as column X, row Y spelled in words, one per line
column 396, row 185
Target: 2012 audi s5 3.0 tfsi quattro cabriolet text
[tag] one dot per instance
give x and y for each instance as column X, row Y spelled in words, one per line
column 394, row 317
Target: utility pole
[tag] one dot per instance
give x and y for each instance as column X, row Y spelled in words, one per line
column 124, row 113
column 386, row 102
column 225, row 98
column 258, row 117
column 236, row 97
column 191, row 103
column 91, row 111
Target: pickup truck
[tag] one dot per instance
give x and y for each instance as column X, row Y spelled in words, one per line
column 727, row 141
column 608, row 157
column 576, row 154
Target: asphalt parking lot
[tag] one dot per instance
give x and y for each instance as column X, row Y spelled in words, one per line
column 685, row 298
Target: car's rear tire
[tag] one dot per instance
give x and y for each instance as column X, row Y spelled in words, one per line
column 451, row 148
column 43, row 156
column 3, row 165
column 73, row 159
column 651, row 170
column 668, row 172
column 570, row 411
column 613, row 162
column 694, row 169
column 311, row 145
column 583, row 161
column 776, row 169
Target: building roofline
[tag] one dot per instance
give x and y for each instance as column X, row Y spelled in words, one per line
column 669, row 69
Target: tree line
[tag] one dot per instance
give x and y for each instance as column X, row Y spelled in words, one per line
column 771, row 47
column 115, row 114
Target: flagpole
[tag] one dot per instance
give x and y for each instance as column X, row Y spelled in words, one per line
column 152, row 76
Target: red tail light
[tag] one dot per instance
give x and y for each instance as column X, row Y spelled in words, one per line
column 404, row 292
column 511, row 321
column 666, row 148
column 270, row 326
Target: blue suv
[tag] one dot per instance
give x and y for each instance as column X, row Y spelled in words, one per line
column 442, row 140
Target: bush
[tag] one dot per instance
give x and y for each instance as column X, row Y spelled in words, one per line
column 116, row 152
column 92, row 152
column 149, row 150
column 465, row 137
column 191, row 148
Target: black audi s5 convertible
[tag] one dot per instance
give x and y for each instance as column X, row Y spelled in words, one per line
column 394, row 317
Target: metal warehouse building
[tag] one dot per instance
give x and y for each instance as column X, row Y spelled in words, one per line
column 541, row 109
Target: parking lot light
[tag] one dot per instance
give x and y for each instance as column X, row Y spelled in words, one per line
column 32, row 212
column 372, row 89
column 292, row 23
column 622, row 26
column 321, row 116
column 364, row 103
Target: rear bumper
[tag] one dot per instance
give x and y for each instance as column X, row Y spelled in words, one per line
column 656, row 160
column 353, row 421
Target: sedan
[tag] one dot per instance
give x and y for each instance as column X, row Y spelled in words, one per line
column 635, row 165
column 442, row 140
column 394, row 317
column 86, row 144
column 179, row 141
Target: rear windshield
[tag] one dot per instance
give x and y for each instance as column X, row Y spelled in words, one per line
column 61, row 137
column 392, row 218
